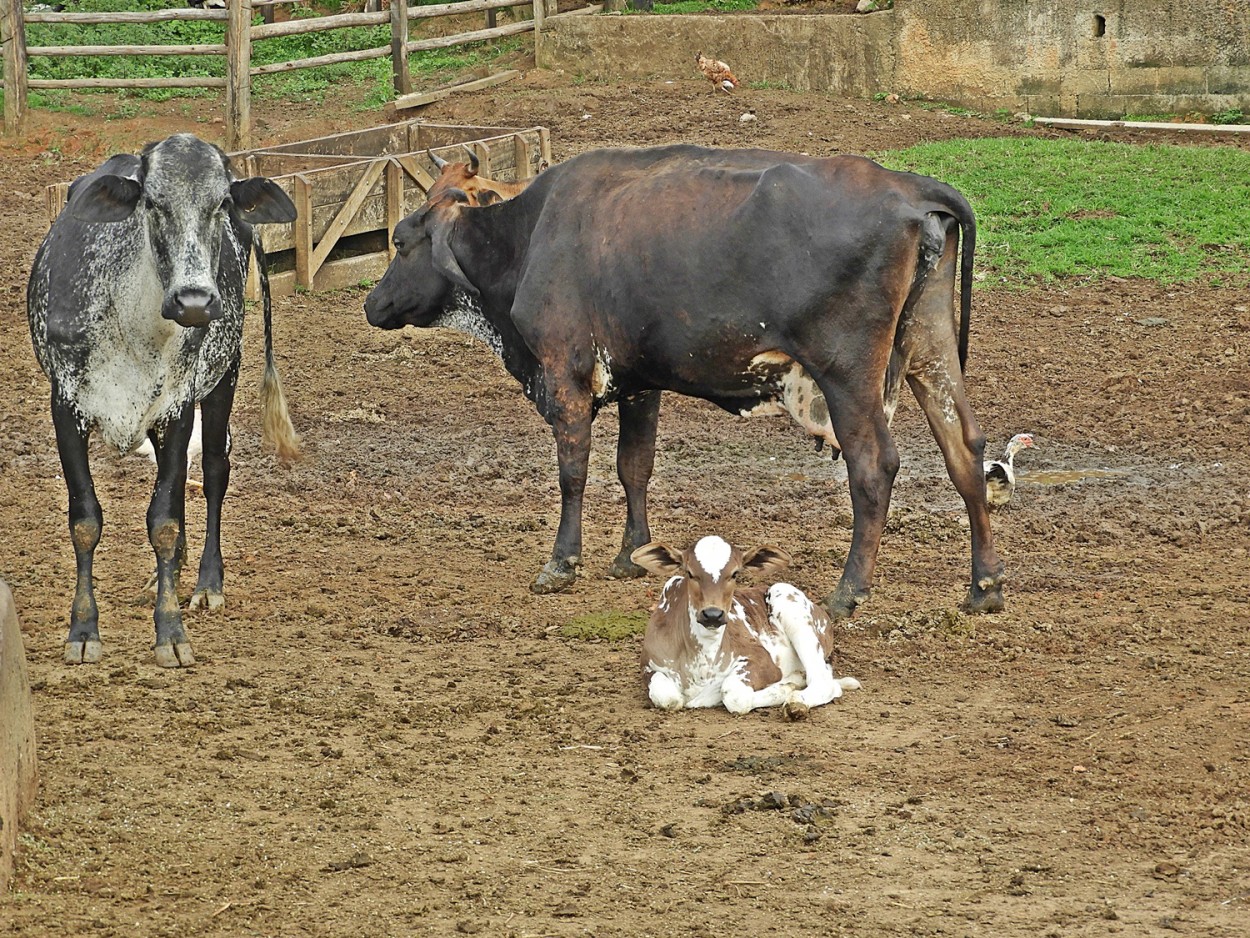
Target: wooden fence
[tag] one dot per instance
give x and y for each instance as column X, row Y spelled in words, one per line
column 239, row 34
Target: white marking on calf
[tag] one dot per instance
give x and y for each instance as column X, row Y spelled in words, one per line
column 713, row 553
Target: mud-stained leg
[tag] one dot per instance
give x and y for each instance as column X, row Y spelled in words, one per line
column 570, row 421
column 215, row 434
column 86, row 522
column 963, row 447
column 635, row 461
column 935, row 377
column 871, row 465
column 798, row 619
column 166, row 532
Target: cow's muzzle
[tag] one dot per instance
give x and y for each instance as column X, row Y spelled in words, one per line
column 711, row 617
column 192, row 307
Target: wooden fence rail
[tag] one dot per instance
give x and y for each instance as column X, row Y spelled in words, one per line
column 239, row 34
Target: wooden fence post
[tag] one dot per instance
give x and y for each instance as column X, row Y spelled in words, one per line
column 399, row 47
column 239, row 76
column 540, row 13
column 13, row 37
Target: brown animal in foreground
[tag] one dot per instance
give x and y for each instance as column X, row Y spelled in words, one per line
column 481, row 190
column 710, row 641
column 716, row 72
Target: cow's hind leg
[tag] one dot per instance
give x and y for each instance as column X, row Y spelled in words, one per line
column 570, row 420
column 937, row 381
column 215, row 414
column 635, row 461
column 86, row 522
column 166, row 532
column 939, row 389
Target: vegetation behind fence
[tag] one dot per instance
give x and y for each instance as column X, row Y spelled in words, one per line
column 230, row 49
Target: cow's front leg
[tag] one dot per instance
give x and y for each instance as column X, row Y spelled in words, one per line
column 215, row 435
column 166, row 532
column 741, row 697
column 571, row 424
column 86, row 522
column 635, row 460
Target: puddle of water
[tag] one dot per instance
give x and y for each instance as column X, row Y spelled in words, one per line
column 1066, row 476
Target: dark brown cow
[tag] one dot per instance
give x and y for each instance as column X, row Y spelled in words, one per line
column 757, row 280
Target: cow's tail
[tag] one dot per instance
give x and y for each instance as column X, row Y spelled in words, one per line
column 968, row 228
column 277, row 431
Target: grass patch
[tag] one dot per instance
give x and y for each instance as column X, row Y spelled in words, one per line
column 612, row 626
column 1070, row 209
column 704, row 6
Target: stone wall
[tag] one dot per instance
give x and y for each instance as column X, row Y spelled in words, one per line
column 1071, row 58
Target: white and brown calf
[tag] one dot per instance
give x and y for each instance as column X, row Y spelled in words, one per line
column 710, row 641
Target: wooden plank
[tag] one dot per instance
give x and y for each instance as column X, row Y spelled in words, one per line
column 151, row 16
column 401, row 77
column 346, row 214
column 444, row 42
column 334, row 275
column 18, row 768
column 302, row 197
column 201, row 49
column 13, row 39
column 409, row 162
column 188, row 82
column 335, row 58
column 429, row 97
column 57, row 195
column 318, row 24
column 521, row 154
column 239, row 81
column 394, row 201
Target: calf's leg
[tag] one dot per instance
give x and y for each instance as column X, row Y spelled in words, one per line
column 635, row 461
column 86, row 522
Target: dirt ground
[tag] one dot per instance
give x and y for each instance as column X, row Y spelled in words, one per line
column 387, row 734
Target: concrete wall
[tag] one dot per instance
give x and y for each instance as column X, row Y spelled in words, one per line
column 1046, row 57
column 17, row 736
column 852, row 55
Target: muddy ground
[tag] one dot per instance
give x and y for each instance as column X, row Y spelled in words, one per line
column 386, row 733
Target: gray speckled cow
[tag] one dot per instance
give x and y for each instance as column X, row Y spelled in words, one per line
column 136, row 313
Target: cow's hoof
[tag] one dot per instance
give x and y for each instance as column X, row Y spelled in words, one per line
column 990, row 600
column 841, row 603
column 175, row 655
column 553, row 577
column 792, row 711
column 212, row 600
column 88, row 652
column 625, row 569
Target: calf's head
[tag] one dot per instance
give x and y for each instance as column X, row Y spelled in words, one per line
column 184, row 195
column 711, row 568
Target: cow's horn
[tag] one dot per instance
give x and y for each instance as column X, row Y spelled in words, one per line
column 472, row 161
column 438, row 160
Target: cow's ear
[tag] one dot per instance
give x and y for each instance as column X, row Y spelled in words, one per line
column 765, row 560
column 488, row 197
column 261, row 201
column 107, row 198
column 444, row 258
column 658, row 558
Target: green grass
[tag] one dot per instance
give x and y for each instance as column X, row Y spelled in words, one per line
column 702, row 6
column 301, row 84
column 1052, row 210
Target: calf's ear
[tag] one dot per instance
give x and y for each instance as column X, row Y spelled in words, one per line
column 106, row 199
column 658, row 558
column 766, row 559
column 261, row 201
column 488, row 197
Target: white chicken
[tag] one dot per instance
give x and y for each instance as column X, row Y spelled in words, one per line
column 195, row 446
column 1000, row 474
